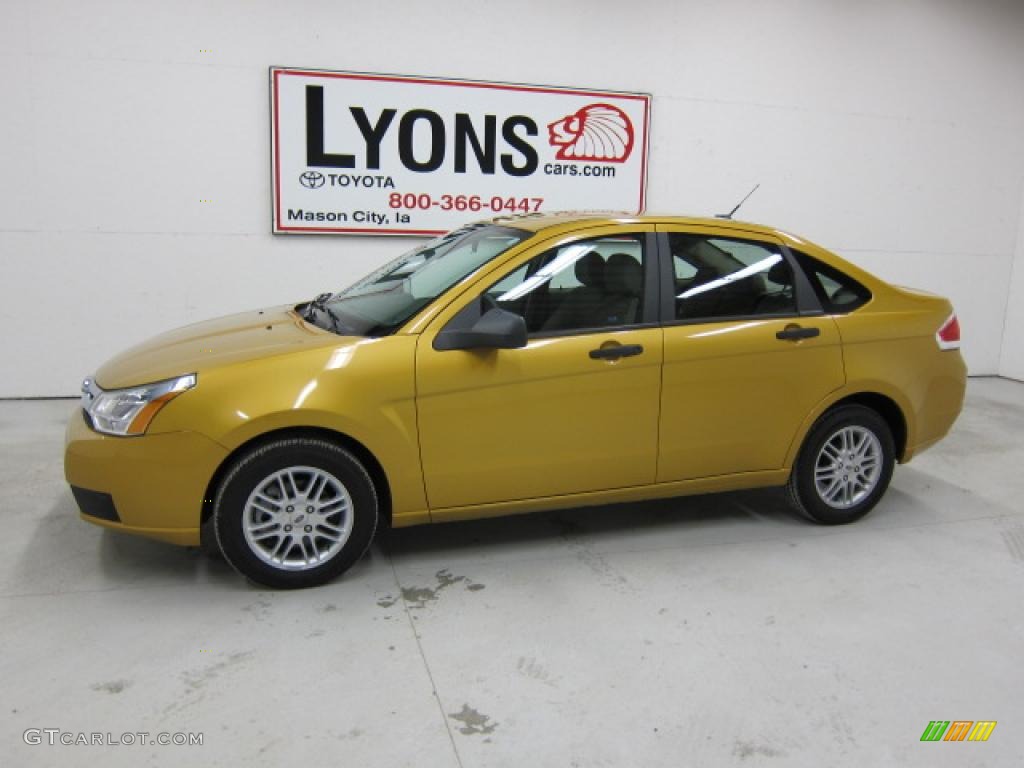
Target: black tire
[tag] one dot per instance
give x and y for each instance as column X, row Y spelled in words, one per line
column 208, row 540
column 253, row 470
column 803, row 490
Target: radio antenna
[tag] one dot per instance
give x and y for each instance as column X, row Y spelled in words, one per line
column 741, row 202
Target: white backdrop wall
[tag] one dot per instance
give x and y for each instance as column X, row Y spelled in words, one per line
column 1012, row 362
column 888, row 130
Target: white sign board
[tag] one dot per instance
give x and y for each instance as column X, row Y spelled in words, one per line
column 393, row 155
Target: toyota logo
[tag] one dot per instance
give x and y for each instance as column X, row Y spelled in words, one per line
column 311, row 179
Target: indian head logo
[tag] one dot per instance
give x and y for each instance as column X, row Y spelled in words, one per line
column 599, row 132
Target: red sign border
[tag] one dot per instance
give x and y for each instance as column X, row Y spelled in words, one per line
column 276, row 72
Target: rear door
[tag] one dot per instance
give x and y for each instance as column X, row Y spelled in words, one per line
column 748, row 352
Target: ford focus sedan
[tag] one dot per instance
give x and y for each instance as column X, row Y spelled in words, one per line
column 515, row 365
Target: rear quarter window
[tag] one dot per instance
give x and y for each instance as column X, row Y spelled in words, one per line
column 838, row 292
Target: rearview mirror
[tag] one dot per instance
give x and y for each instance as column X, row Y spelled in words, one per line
column 494, row 329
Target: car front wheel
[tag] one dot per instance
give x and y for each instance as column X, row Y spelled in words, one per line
column 844, row 466
column 295, row 512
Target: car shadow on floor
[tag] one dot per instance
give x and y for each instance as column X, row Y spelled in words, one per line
column 65, row 553
column 125, row 558
column 665, row 519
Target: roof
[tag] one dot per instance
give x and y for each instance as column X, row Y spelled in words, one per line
column 565, row 220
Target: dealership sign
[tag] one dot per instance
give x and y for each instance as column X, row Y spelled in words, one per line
column 384, row 154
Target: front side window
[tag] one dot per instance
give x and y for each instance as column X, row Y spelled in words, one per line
column 385, row 300
column 720, row 278
column 585, row 285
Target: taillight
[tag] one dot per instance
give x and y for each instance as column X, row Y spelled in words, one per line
column 948, row 335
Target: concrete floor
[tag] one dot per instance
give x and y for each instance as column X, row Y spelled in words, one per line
column 708, row 631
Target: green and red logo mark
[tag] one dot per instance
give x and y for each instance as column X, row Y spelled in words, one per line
column 958, row 730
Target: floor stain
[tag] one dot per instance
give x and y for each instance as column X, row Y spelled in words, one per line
column 472, row 721
column 418, row 597
column 197, row 679
column 530, row 667
column 445, row 579
column 113, row 686
column 597, row 563
column 328, row 608
column 570, row 532
column 745, row 749
column 1014, row 538
column 263, row 750
column 841, row 728
column 195, row 682
column 260, row 608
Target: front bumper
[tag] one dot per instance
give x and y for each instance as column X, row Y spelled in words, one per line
column 155, row 483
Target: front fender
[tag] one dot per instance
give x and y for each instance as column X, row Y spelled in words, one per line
column 365, row 391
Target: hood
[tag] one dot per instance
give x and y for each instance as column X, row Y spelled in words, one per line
column 213, row 343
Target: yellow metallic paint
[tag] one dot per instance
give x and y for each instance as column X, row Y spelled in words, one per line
column 238, row 338
column 315, row 388
column 733, row 395
column 546, row 420
column 157, row 481
column 734, row 411
column 495, row 423
column 732, row 482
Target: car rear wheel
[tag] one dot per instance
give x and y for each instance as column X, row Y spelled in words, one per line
column 844, row 466
column 295, row 513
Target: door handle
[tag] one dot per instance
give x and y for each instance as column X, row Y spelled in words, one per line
column 796, row 332
column 617, row 351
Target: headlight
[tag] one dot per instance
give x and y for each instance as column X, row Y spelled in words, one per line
column 129, row 411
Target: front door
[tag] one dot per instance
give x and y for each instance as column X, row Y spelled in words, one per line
column 576, row 409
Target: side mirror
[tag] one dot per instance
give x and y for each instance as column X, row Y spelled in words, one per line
column 494, row 329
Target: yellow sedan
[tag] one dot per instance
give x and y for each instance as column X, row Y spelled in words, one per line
column 519, row 364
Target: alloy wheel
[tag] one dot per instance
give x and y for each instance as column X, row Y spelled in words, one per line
column 848, row 467
column 297, row 518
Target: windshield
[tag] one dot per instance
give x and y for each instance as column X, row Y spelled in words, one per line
column 383, row 301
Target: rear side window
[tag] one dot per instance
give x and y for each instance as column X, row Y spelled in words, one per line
column 838, row 293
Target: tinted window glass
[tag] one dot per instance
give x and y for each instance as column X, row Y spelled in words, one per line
column 837, row 292
column 588, row 284
column 383, row 301
column 721, row 278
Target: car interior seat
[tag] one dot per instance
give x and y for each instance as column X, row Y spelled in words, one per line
column 845, row 296
column 575, row 309
column 699, row 303
column 624, row 280
column 780, row 300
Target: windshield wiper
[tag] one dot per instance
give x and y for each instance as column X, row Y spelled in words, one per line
column 320, row 302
